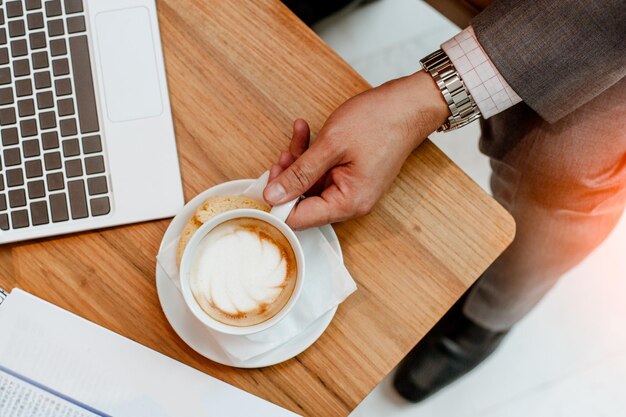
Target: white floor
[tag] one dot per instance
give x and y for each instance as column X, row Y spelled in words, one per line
column 568, row 357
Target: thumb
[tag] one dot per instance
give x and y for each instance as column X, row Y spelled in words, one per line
column 300, row 176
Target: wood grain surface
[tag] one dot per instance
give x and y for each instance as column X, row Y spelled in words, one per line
column 239, row 73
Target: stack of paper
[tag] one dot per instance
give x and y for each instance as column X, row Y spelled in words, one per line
column 53, row 363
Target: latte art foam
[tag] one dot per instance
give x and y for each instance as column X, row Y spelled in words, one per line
column 243, row 272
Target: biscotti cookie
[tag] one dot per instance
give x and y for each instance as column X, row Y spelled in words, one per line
column 211, row 208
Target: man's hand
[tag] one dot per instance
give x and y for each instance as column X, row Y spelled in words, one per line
column 358, row 152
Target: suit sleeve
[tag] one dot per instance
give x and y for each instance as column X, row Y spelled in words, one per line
column 556, row 54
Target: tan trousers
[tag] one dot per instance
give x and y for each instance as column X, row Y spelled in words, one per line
column 565, row 185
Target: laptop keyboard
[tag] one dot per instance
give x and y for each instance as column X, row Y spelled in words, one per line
column 52, row 166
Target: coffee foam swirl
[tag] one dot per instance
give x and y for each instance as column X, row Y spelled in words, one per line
column 243, row 272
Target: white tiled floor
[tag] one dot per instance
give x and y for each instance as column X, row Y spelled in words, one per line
column 568, row 357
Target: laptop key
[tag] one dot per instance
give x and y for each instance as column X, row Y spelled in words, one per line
column 37, row 40
column 78, row 199
column 100, row 206
column 58, row 47
column 76, row 24
column 85, row 97
column 21, row 67
column 7, row 116
column 3, row 202
column 35, row 21
column 23, row 88
column 68, row 127
column 45, row 100
column 36, row 189
column 3, row 35
column 9, row 136
column 94, row 165
column 50, row 140
column 28, row 127
column 47, row 120
column 55, row 181
column 92, row 144
column 73, row 6
column 19, row 219
column 53, row 8
column 30, row 148
column 17, row 198
column 16, row 28
column 58, row 207
column 65, row 107
column 33, row 4
column 12, row 157
column 73, row 168
column 33, row 169
column 97, row 185
column 5, row 76
column 52, row 161
column 14, row 8
column 18, row 48
column 39, row 213
column 4, row 221
column 60, row 67
column 63, row 87
column 6, row 95
column 42, row 80
column 26, row 107
column 71, row 148
column 15, row 177
column 4, row 56
column 55, row 27
column 40, row 60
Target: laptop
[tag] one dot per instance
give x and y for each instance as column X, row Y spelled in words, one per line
column 86, row 134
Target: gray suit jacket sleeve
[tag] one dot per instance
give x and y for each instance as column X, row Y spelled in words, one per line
column 556, row 54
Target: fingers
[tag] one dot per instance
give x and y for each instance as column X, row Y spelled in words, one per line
column 299, row 176
column 300, row 138
column 305, row 171
column 285, row 159
column 299, row 144
column 332, row 206
column 275, row 171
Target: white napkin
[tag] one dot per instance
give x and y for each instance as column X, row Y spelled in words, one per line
column 327, row 283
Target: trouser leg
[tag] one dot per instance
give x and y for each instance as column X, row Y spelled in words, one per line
column 565, row 185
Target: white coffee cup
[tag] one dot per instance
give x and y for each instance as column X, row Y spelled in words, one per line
column 191, row 250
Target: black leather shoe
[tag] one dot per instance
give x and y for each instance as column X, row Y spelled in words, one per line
column 451, row 349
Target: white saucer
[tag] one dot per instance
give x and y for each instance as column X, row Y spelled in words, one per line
column 194, row 333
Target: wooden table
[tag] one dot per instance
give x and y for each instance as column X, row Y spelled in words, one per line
column 239, row 72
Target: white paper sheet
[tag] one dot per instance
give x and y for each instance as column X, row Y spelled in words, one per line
column 48, row 353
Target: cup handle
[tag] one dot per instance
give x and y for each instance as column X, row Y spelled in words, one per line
column 282, row 211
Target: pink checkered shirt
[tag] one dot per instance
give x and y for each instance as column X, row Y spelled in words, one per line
column 488, row 88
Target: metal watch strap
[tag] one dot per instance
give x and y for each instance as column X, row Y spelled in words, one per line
column 461, row 104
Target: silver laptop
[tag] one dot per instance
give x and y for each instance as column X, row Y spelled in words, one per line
column 86, row 136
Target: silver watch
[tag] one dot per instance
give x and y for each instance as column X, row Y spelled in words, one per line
column 460, row 101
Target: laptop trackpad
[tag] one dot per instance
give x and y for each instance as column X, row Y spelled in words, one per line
column 128, row 63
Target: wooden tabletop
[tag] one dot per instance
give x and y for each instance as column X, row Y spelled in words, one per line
column 239, row 73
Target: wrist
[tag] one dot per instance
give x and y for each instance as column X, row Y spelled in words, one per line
column 432, row 103
column 428, row 109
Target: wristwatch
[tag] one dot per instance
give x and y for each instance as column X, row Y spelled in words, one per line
column 460, row 101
